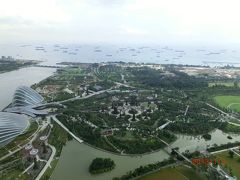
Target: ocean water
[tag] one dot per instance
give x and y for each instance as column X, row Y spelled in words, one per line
column 193, row 55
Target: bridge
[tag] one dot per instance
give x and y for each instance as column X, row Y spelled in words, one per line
column 176, row 151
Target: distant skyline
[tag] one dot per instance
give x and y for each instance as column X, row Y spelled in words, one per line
column 204, row 22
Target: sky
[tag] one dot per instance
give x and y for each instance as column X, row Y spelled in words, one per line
column 120, row 21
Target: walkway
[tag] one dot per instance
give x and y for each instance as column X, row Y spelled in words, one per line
column 222, row 112
column 163, row 126
column 217, row 109
column 29, row 167
column 48, row 164
column 66, row 129
column 185, row 113
column 180, row 154
column 223, row 150
column 233, row 150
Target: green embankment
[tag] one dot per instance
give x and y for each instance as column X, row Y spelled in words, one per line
column 177, row 173
column 230, row 163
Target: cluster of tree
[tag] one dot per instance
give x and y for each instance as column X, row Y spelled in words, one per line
column 145, row 169
column 194, row 128
column 207, row 136
column 192, row 155
column 81, row 129
column 101, row 165
column 176, row 79
column 166, row 136
column 58, row 138
column 226, row 127
column 103, row 84
column 138, row 145
column 223, row 146
column 109, row 72
column 231, row 153
column 12, row 65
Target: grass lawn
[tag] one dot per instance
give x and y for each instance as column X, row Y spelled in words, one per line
column 234, row 121
column 232, row 128
column 178, row 173
column 49, row 170
column 228, row 101
column 128, row 136
column 14, row 174
column 234, row 162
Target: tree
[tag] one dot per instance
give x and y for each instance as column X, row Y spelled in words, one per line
column 44, row 148
column 230, row 171
column 115, row 110
column 35, row 166
column 235, row 84
column 100, row 165
column 231, row 153
column 134, row 118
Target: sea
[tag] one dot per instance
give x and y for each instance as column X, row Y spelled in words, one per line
column 50, row 54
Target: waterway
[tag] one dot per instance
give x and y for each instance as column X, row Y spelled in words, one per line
column 76, row 158
column 9, row 81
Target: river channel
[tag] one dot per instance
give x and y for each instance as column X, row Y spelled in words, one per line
column 9, row 81
column 75, row 158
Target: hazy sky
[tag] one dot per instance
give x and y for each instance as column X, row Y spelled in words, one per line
column 120, row 21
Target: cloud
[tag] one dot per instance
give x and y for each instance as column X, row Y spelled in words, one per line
column 44, row 11
column 131, row 30
column 125, row 20
column 107, row 3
